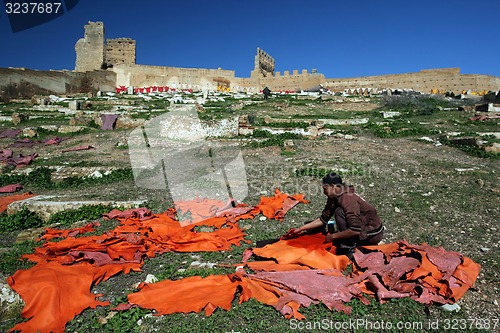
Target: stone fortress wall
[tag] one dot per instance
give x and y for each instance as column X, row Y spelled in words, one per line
column 57, row 82
column 120, row 51
column 428, row 81
column 111, row 64
column 181, row 78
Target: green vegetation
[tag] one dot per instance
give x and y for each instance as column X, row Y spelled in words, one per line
column 11, row 261
column 399, row 128
column 420, row 104
column 345, row 169
column 272, row 139
column 88, row 212
column 24, row 219
column 40, row 178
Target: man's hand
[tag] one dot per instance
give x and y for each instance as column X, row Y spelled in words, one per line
column 292, row 233
column 329, row 238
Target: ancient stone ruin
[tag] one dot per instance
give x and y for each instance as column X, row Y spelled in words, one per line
column 105, row 64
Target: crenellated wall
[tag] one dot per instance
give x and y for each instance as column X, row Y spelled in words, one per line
column 443, row 79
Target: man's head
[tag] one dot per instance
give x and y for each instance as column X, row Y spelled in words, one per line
column 332, row 185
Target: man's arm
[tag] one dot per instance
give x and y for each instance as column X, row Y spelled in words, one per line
column 348, row 233
column 294, row 232
column 311, row 225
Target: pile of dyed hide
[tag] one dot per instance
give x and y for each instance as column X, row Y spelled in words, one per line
column 296, row 272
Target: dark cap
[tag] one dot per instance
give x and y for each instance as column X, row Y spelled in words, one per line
column 332, row 179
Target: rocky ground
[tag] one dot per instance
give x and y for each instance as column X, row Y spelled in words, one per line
column 424, row 192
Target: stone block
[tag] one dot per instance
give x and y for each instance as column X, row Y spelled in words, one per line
column 489, row 97
column 390, row 114
column 45, row 206
column 11, row 304
column 125, row 121
column 245, row 130
column 17, row 118
column 70, row 129
column 243, row 120
column 466, row 141
column 482, row 107
column 50, row 128
column 495, row 148
column 29, row 132
column 74, row 105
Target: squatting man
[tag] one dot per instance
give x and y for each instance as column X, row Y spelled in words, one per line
column 357, row 220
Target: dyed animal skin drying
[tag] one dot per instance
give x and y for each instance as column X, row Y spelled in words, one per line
column 59, row 286
column 299, row 276
column 7, row 200
column 298, row 272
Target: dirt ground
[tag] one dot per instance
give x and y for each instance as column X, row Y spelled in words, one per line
column 423, row 192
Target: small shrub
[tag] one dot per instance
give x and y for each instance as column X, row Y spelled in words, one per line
column 273, row 139
column 24, row 219
column 87, row 212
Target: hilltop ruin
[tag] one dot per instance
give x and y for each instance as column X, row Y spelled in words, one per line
column 106, row 64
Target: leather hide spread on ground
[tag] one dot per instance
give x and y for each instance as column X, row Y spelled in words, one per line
column 290, row 273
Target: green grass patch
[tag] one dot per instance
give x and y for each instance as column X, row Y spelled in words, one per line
column 87, row 212
column 272, row 139
column 399, row 128
column 40, row 178
column 11, row 261
column 290, row 124
column 344, row 169
column 24, row 219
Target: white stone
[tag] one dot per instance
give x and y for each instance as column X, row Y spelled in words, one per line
column 426, row 139
column 95, row 174
column 390, row 114
column 70, row 129
column 451, row 307
column 150, row 278
column 464, row 169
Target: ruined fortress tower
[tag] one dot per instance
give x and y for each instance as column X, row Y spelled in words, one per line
column 263, row 66
column 90, row 50
column 92, row 54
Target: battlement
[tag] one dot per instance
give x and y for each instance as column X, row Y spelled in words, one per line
column 263, row 65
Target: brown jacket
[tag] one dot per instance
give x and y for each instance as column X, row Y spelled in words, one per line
column 359, row 214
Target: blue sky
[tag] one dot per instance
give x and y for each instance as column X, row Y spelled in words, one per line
column 338, row 38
